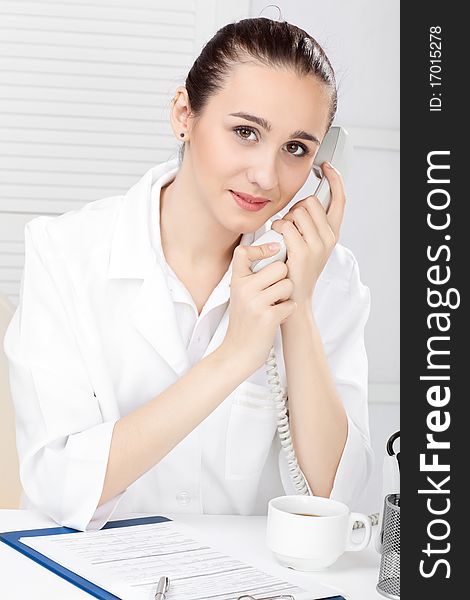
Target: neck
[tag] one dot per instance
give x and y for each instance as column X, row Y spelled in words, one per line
column 189, row 232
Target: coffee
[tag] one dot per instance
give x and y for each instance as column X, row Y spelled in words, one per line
column 312, row 544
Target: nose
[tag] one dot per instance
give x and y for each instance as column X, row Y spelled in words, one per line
column 263, row 172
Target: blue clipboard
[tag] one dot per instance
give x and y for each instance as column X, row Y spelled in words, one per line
column 12, row 539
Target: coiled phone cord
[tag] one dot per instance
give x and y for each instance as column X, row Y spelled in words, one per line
column 279, row 398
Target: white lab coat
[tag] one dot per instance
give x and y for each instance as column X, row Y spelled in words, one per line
column 95, row 336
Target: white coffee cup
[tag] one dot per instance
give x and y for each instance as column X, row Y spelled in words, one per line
column 309, row 533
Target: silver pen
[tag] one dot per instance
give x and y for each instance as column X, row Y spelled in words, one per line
column 162, row 588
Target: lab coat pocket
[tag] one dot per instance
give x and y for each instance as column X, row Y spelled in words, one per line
column 251, row 429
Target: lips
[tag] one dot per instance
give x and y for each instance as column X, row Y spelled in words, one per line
column 250, row 199
column 245, row 205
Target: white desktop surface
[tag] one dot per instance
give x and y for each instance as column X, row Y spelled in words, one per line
column 354, row 574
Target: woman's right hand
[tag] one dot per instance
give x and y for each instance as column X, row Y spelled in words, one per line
column 259, row 303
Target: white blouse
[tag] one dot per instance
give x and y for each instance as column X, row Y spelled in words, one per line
column 104, row 325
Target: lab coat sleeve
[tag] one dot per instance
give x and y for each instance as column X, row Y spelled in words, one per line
column 63, row 442
column 343, row 339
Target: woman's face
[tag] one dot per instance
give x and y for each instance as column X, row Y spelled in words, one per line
column 230, row 152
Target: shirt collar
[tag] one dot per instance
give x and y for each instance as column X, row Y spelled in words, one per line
column 132, row 251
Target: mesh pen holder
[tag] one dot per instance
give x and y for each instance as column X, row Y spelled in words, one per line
column 389, row 572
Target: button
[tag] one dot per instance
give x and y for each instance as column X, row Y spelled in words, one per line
column 183, row 498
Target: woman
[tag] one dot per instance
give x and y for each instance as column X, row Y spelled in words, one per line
column 137, row 354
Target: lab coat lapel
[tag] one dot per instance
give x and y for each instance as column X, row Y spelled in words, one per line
column 132, row 257
column 219, row 334
column 153, row 315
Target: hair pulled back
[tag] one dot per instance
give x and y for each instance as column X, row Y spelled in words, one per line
column 271, row 43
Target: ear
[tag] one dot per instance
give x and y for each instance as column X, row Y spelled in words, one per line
column 180, row 112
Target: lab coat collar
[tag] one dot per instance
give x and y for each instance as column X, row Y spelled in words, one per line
column 131, row 249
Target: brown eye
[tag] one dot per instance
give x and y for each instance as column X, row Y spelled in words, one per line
column 248, row 130
column 305, row 150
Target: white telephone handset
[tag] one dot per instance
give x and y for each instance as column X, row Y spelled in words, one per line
column 336, row 148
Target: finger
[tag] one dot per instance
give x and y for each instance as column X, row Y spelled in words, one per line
column 284, row 310
column 278, row 292
column 321, row 225
column 338, row 197
column 243, row 256
column 304, row 222
column 269, row 275
column 291, row 234
column 290, row 217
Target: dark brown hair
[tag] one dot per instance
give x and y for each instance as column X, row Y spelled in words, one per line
column 272, row 43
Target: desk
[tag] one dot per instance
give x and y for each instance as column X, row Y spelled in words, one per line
column 355, row 573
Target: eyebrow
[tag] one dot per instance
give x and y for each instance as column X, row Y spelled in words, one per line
column 266, row 125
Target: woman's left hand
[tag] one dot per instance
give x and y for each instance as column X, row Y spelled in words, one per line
column 310, row 234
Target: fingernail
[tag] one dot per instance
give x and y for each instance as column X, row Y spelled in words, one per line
column 274, row 246
column 329, row 165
